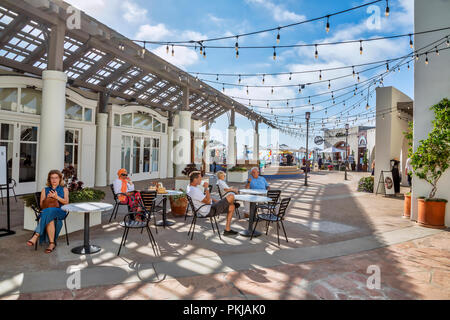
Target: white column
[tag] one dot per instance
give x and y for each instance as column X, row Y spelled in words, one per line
column 231, row 150
column 206, row 151
column 51, row 130
column 182, row 150
column 101, row 149
column 170, row 152
column 431, row 85
column 256, row 142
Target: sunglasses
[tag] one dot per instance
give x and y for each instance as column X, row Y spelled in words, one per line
column 124, row 175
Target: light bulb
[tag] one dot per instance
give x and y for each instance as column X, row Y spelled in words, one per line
column 272, row 90
column 411, row 44
column 236, row 46
column 329, row 85
column 360, row 47
column 328, row 24
column 290, row 76
column 204, row 53
column 173, row 51
column 239, row 79
column 320, row 75
column 201, row 50
column 278, row 36
column 274, row 54
column 437, row 51
column 237, row 54
column 426, row 59
column 316, row 54
column 387, row 9
column 263, row 79
column 167, row 49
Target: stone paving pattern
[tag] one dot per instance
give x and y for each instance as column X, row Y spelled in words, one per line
column 327, row 211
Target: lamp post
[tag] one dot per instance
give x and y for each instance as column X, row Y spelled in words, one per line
column 346, row 149
column 307, row 117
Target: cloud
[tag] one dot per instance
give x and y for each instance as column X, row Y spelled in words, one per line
column 133, row 13
column 182, row 58
column 279, row 13
column 153, row 32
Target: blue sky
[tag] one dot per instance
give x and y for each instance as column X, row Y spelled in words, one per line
column 183, row 20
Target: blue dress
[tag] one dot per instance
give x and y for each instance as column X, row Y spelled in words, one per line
column 50, row 214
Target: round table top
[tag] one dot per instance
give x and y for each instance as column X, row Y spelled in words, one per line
column 251, row 198
column 84, row 207
column 258, row 192
column 170, row 193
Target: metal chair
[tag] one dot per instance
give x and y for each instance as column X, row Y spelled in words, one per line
column 270, row 206
column 211, row 215
column 149, row 202
column 271, row 217
column 210, row 187
column 129, row 222
column 236, row 205
column 11, row 185
column 37, row 212
column 117, row 202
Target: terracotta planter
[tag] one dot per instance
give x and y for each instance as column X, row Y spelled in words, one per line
column 178, row 206
column 407, row 206
column 431, row 214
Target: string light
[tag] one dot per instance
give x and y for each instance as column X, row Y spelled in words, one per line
column 274, row 54
column 204, row 53
column 236, row 45
column 201, row 50
column 417, row 57
column 239, row 79
column 328, row 24
column 387, row 8
column 426, row 58
column 329, row 84
column 358, row 77
column 223, row 87
column 217, row 78
column 360, row 47
column 448, row 42
column 316, row 54
column 320, row 75
column 353, row 71
column 272, row 90
column 121, row 47
column 290, row 76
column 247, row 90
column 299, row 89
column 411, row 44
column 263, row 78
column 237, row 54
column 387, row 67
column 278, row 36
column 173, row 51
column 167, row 49
column 437, row 51
column 143, row 51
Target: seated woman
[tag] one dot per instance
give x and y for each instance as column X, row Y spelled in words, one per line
column 124, row 185
column 46, row 230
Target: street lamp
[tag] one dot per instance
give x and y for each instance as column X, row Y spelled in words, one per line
column 307, row 117
column 346, row 149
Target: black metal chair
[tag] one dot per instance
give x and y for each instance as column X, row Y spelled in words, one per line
column 129, row 222
column 117, row 202
column 11, row 185
column 270, row 206
column 210, row 187
column 37, row 212
column 149, row 202
column 195, row 211
column 236, row 205
column 272, row 217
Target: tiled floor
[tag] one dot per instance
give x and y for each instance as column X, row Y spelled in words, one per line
column 327, row 212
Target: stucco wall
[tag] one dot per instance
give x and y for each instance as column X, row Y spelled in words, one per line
column 431, row 84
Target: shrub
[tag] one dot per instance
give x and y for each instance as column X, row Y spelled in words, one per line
column 238, row 169
column 366, row 184
column 85, row 195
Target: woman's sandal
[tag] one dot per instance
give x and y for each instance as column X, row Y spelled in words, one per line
column 31, row 243
column 50, row 250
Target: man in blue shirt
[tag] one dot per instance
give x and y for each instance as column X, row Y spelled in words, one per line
column 256, row 181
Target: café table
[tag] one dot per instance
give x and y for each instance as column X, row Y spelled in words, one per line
column 86, row 208
column 253, row 199
column 165, row 196
column 257, row 192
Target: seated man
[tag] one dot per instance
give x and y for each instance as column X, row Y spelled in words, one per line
column 213, row 206
column 256, row 181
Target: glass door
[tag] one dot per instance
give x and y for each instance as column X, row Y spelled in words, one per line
column 7, row 140
column 126, row 153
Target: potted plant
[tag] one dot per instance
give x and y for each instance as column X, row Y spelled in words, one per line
column 178, row 204
column 407, row 202
column 430, row 160
column 330, row 167
column 366, row 184
column 237, row 174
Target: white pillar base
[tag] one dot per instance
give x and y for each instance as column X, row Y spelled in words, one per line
column 231, row 152
column 182, row 150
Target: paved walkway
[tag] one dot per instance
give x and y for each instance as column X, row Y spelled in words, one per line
column 334, row 234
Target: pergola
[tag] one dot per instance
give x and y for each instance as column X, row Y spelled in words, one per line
column 34, row 37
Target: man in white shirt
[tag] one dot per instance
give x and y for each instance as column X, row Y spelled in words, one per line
column 210, row 206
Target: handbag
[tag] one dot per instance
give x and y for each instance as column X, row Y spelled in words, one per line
column 50, row 203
